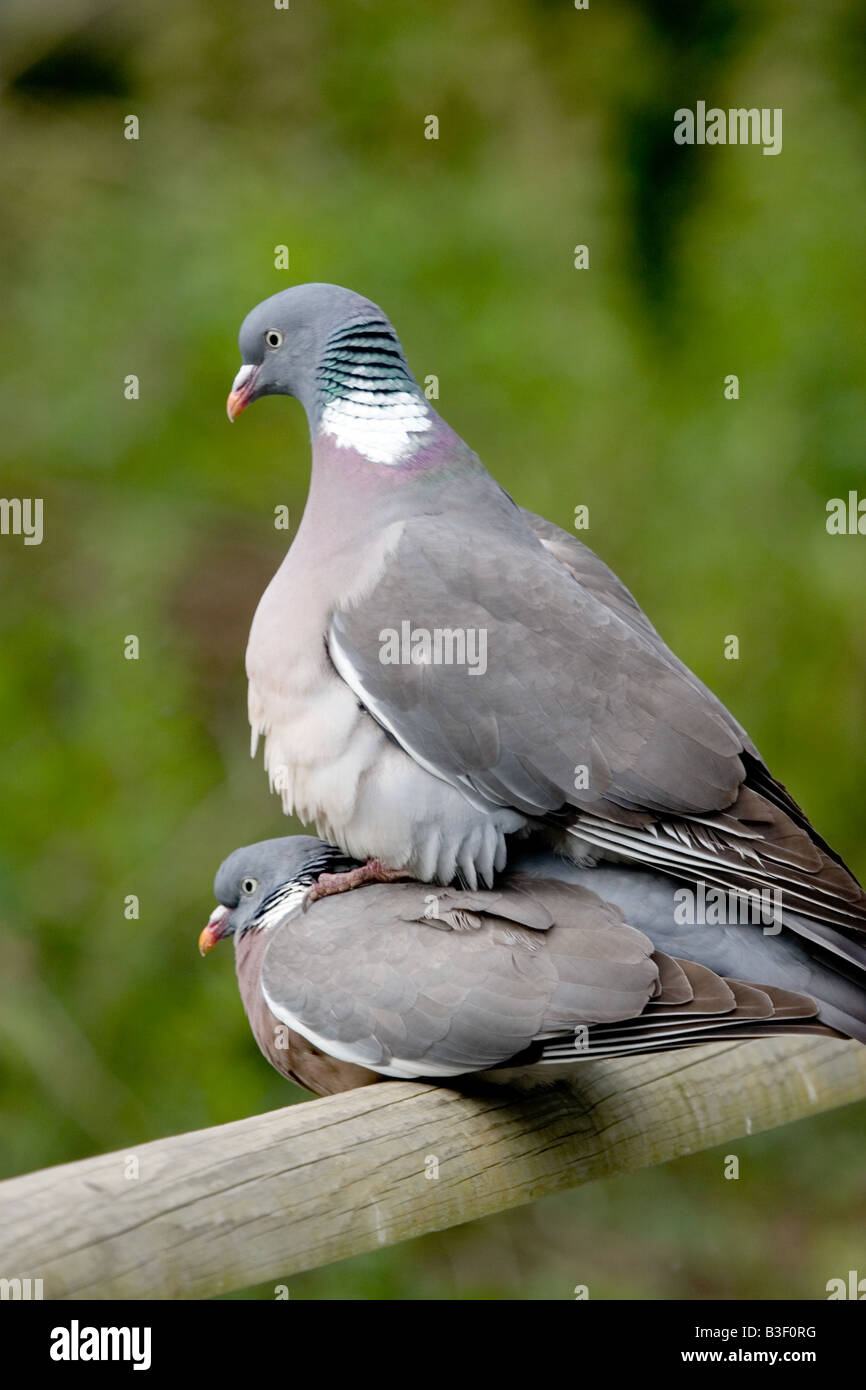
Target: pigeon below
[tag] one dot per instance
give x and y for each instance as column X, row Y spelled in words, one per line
column 559, row 964
column 579, row 723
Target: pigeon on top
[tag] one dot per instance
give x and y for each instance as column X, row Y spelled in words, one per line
column 437, row 671
column 557, row 965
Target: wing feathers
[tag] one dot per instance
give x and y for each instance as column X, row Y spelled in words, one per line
column 576, row 676
column 538, row 971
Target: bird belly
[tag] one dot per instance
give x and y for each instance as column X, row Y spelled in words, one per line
column 410, row 819
column 335, row 767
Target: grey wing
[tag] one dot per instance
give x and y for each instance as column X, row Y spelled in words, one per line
column 693, row 1006
column 580, row 713
column 829, row 968
column 690, row 1002
column 371, row 979
column 599, row 579
column 556, row 681
column 588, row 569
column 821, row 882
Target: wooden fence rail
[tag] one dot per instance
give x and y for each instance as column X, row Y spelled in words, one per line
column 259, row 1199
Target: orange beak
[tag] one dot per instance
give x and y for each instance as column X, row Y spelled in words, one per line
column 243, row 390
column 215, row 929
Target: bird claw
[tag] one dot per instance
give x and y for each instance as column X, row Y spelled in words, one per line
column 327, row 885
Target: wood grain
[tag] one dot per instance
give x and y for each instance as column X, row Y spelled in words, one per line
column 259, row 1199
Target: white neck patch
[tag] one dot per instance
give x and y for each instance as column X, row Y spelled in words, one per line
column 284, row 901
column 383, row 426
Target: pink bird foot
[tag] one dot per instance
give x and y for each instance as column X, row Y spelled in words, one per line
column 374, row 871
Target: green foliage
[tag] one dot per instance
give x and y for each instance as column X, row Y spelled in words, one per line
column 602, row 386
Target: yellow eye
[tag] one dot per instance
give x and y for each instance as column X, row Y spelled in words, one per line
column 249, row 885
column 274, row 338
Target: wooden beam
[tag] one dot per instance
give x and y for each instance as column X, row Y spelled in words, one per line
column 262, row 1198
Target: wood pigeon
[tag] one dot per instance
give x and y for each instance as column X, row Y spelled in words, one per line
column 437, row 672
column 556, row 964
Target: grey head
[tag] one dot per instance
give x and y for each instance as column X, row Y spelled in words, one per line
column 319, row 343
column 257, row 885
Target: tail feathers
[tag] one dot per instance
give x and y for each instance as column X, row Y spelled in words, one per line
column 840, row 989
column 822, row 962
column 845, row 945
column 694, row 1005
column 846, row 1025
column 753, row 847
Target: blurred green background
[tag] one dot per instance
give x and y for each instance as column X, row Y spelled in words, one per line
column 604, row 386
